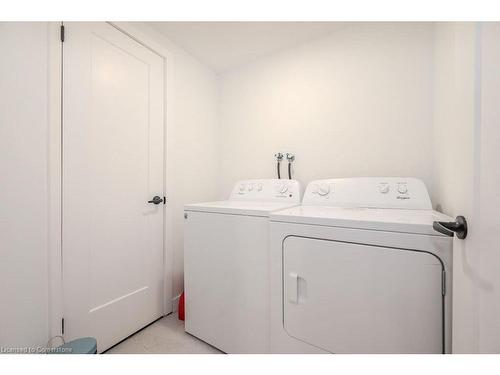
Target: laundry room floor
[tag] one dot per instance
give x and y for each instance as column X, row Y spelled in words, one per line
column 165, row 336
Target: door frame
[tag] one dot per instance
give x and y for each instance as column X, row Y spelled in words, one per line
column 54, row 151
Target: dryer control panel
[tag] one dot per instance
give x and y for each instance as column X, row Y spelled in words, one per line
column 267, row 190
column 371, row 192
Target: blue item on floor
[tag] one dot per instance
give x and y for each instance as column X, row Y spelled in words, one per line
column 84, row 345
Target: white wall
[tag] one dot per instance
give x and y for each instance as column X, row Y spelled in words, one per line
column 23, row 184
column 454, row 112
column 195, row 147
column 356, row 103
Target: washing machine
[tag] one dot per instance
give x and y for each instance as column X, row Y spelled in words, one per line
column 226, row 265
column 358, row 268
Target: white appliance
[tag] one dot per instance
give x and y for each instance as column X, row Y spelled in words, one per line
column 226, row 265
column 358, row 269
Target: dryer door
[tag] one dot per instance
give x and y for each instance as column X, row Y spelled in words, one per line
column 353, row 298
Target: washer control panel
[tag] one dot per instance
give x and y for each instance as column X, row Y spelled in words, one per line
column 373, row 192
column 276, row 190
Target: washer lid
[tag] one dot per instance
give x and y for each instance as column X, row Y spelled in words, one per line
column 381, row 219
column 247, row 208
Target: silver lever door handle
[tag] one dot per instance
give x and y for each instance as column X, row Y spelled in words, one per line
column 458, row 227
column 156, row 200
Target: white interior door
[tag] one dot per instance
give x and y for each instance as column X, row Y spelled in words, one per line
column 350, row 298
column 476, row 276
column 112, row 165
column 483, row 240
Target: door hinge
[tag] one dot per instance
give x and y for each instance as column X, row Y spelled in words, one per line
column 62, row 326
column 62, row 33
column 443, row 282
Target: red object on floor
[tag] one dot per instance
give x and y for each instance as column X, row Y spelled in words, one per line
column 180, row 309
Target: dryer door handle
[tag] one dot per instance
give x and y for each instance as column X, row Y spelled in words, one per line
column 293, row 287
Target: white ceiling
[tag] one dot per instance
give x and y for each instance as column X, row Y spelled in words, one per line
column 226, row 45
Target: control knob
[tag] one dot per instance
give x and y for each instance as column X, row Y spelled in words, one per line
column 323, row 189
column 384, row 188
column 281, row 188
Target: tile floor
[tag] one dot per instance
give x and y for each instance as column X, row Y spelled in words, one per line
column 165, row 336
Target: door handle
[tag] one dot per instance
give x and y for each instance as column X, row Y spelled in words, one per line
column 449, row 228
column 157, row 200
column 293, row 288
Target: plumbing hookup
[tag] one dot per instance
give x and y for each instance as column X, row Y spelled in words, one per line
column 290, row 159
